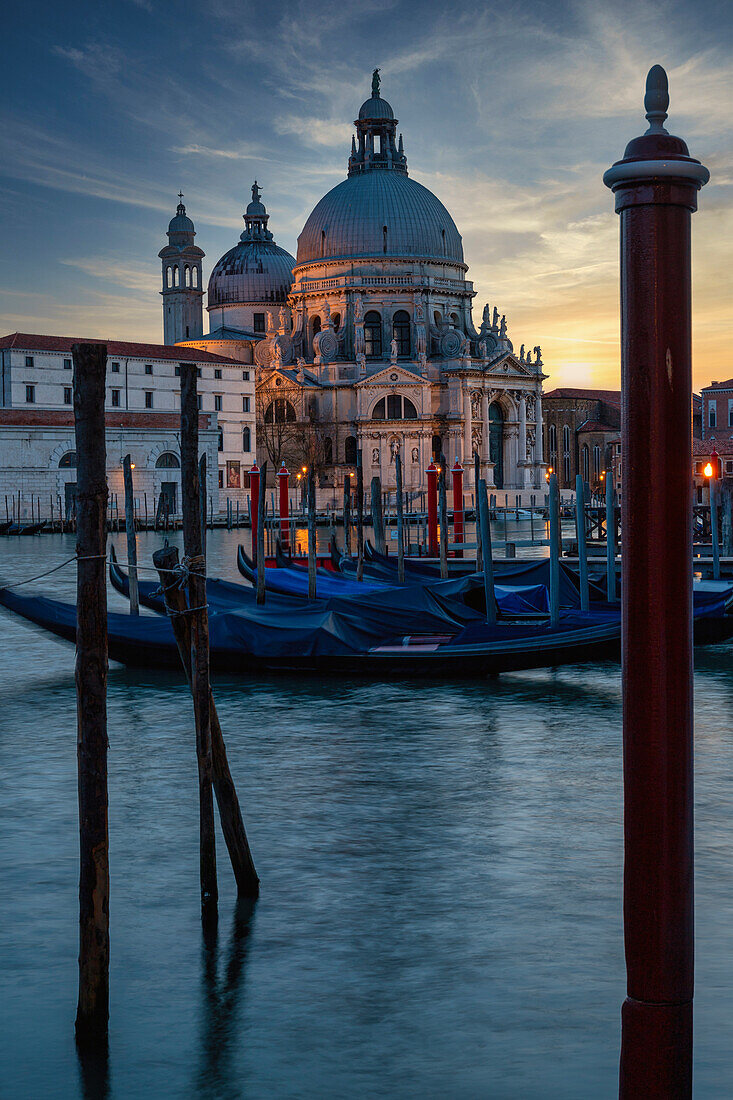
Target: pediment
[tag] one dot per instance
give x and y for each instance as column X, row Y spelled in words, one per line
column 391, row 376
column 509, row 367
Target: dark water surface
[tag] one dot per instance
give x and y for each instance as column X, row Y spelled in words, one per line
column 441, row 864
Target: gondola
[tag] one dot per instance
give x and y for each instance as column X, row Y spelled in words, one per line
column 294, row 581
column 324, row 642
column 25, row 528
column 5, row 527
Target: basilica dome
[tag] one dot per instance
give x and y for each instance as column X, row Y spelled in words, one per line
column 256, row 269
column 380, row 213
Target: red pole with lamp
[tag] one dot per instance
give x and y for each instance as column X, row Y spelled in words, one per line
column 458, row 517
column 282, row 480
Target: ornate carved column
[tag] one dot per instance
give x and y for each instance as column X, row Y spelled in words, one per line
column 467, row 433
column 485, row 453
column 539, row 445
column 522, row 448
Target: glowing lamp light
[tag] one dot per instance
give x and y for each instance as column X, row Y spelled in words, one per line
column 708, row 471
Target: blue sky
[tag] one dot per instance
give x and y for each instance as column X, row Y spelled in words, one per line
column 510, row 113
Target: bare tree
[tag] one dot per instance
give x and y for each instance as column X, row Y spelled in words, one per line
column 291, row 428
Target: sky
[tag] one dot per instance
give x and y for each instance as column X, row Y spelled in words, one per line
column 510, row 112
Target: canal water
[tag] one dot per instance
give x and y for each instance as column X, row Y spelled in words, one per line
column 441, row 865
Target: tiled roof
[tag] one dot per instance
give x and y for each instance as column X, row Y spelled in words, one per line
column 24, row 341
column 702, row 448
column 611, row 397
column 597, row 426
column 719, row 385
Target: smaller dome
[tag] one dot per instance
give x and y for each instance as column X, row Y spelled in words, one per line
column 375, row 108
column 181, row 223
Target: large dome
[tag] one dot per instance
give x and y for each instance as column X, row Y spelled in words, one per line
column 380, row 213
column 256, row 269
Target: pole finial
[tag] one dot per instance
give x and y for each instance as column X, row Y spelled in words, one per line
column 656, row 100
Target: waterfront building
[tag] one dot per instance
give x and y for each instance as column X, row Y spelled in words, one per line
column 143, row 403
column 581, row 426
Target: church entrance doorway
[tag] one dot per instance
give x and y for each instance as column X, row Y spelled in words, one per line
column 496, row 444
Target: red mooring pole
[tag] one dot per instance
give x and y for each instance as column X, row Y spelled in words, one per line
column 282, row 480
column 432, row 472
column 457, row 473
column 656, row 185
column 254, row 505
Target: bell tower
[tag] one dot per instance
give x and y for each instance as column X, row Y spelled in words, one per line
column 183, row 313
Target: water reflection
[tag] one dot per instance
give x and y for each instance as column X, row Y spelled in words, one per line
column 221, row 1003
column 94, row 1070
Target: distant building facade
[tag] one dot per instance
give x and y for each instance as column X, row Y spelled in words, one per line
column 142, row 405
column 581, row 426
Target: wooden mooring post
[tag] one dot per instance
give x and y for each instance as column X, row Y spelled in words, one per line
column 655, row 187
column 484, row 522
column 443, row 509
column 359, row 516
column 131, row 536
column 90, row 373
column 377, row 515
column 554, row 525
column 400, row 520
column 582, row 546
column 477, row 513
column 202, row 501
column 199, row 620
column 610, row 539
column 312, row 535
column 347, row 515
column 260, row 557
column 714, row 525
column 230, row 814
column 726, row 517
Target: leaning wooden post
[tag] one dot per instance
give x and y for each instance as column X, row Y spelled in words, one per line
column 554, row 510
column 261, row 558
column 582, row 545
column 714, row 524
column 202, row 500
column 377, row 516
column 610, row 539
column 359, row 517
column 347, row 514
column 230, row 814
column 443, row 508
column 90, row 372
column 198, row 614
column 312, row 535
column 484, row 522
column 254, row 506
column 131, row 538
column 656, row 187
column 400, row 520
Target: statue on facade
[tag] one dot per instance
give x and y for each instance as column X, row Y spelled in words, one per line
column 327, row 313
column 466, row 348
column 538, row 356
column 486, row 316
column 256, row 191
column 419, row 310
column 281, row 318
column 415, row 454
column 394, row 448
column 358, row 309
column 393, row 351
column 502, row 327
column 495, row 318
column 375, row 456
column 422, row 362
column 270, row 323
column 530, row 443
column 361, row 362
column 530, row 406
column 521, row 354
column 277, row 355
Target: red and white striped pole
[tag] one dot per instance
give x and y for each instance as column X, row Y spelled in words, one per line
column 432, row 473
column 254, row 505
column 656, row 185
column 457, row 473
column 282, row 480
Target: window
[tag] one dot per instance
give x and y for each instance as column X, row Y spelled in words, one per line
column 217, row 372
column 246, row 440
column 328, row 451
column 67, row 395
column 586, row 462
column 552, row 437
column 397, row 408
column 245, row 376
column 198, row 372
column 729, row 467
column 67, row 364
column 115, row 399
column 68, row 461
column 30, row 395
column 566, row 454
column 168, row 461
column 259, row 322
column 336, row 321
column 712, row 415
column 279, row 412
column 29, row 360
column 221, row 439
column 115, row 368
column 148, row 399
column 245, row 404
column 596, row 461
column 198, row 402
column 401, row 332
column 698, row 467
column 350, row 450
column 217, row 402
column 178, row 370
column 148, row 368
column 373, row 335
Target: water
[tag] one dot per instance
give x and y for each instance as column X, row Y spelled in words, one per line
column 441, row 863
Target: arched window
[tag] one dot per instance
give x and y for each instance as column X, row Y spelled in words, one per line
column 566, row 455
column 187, row 275
column 455, row 320
column 194, row 276
column 328, row 451
column 437, row 447
column 279, row 411
column 438, row 317
column 394, row 407
column 401, row 332
column 246, row 439
column 350, row 450
column 597, row 462
column 176, row 276
column 586, row 463
column 167, row 461
column 168, row 277
column 221, row 439
column 373, row 335
column 552, row 439
column 68, row 461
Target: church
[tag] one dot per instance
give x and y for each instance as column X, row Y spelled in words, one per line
column 365, row 341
